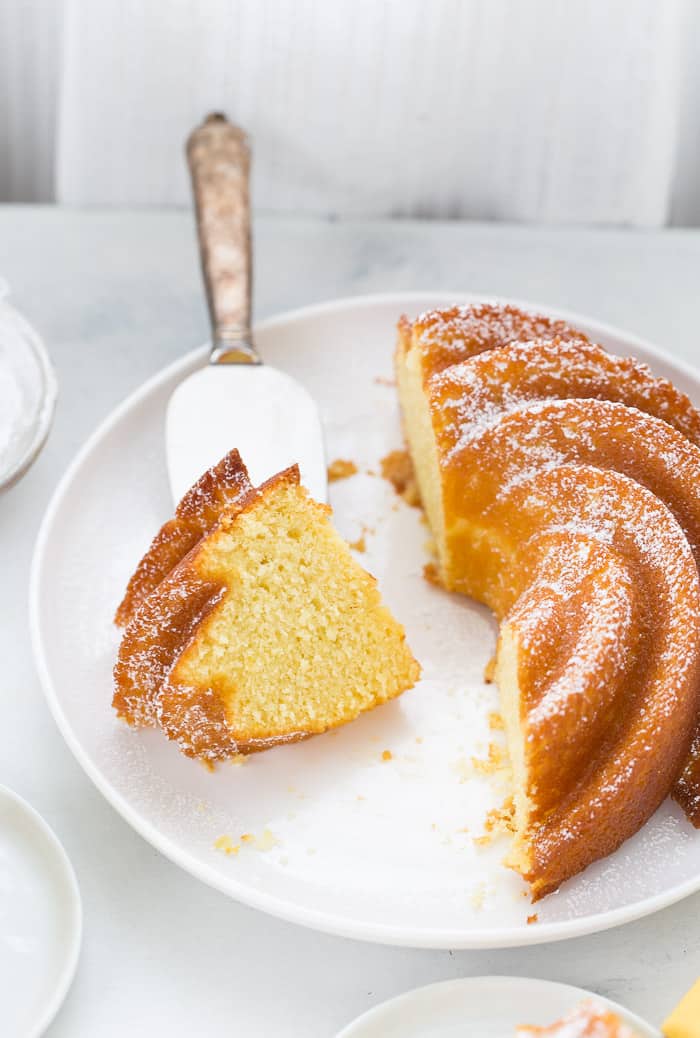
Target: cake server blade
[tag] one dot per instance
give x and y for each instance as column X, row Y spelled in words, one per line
column 235, row 400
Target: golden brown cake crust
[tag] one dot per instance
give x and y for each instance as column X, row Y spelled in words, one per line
column 449, row 336
column 195, row 515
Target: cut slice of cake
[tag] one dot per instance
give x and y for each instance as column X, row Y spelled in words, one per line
column 266, row 632
column 587, row 1020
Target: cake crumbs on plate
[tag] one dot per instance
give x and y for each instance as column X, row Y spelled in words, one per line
column 499, row 821
column 361, row 543
column 384, row 380
column 264, row 842
column 387, row 755
column 462, row 769
column 495, row 761
column 432, row 574
column 397, row 468
column 532, row 919
column 478, row 896
column 490, row 671
column 496, row 722
column 341, row 468
column 226, row 844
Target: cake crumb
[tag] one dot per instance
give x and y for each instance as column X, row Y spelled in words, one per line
column 226, row 844
column 361, row 543
column 500, row 819
column 432, row 574
column 341, row 468
column 532, row 919
column 383, row 380
column 265, row 842
column 498, row 822
column 496, row 722
column 387, row 755
column 238, row 760
column 494, row 762
column 490, row 671
column 419, row 739
column 397, row 468
column 478, row 896
column 462, row 769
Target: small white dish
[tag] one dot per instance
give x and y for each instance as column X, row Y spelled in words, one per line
column 28, row 391
column 40, row 920
column 363, row 845
column 490, row 1007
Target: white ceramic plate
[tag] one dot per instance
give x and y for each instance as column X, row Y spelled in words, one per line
column 355, row 845
column 487, row 1007
column 40, row 920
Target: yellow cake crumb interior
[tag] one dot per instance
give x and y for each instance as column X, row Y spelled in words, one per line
column 506, row 675
column 301, row 641
column 418, row 428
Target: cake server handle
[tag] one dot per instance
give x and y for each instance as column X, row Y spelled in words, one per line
column 218, row 157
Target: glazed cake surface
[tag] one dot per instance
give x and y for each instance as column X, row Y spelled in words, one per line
column 562, row 487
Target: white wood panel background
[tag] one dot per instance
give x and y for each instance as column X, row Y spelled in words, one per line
column 583, row 111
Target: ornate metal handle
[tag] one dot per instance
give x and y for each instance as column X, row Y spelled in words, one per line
column 219, row 160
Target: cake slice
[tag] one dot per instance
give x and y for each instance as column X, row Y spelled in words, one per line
column 267, row 631
column 585, row 1021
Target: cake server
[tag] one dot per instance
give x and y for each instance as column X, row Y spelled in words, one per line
column 235, row 400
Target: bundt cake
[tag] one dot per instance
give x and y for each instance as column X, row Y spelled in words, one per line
column 562, row 485
column 585, row 1021
column 249, row 623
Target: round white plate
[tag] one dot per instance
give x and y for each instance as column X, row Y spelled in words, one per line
column 490, row 1007
column 344, row 840
column 40, row 919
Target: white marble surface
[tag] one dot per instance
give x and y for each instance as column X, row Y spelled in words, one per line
column 117, row 296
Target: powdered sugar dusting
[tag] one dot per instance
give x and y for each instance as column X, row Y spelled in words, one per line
column 581, row 470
